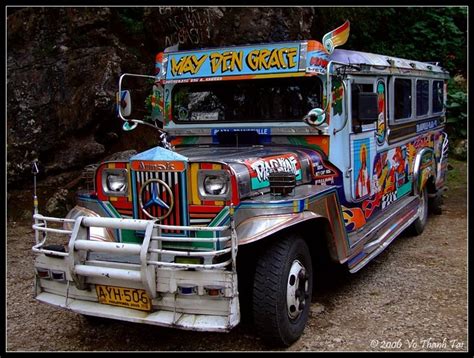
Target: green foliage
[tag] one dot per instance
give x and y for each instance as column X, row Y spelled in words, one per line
column 456, row 114
column 457, row 176
column 431, row 34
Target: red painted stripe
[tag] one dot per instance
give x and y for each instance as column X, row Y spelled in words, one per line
column 171, row 216
column 177, row 203
column 124, row 211
column 121, row 205
column 235, row 190
column 206, row 166
column 120, row 165
column 98, row 183
column 202, row 216
column 164, row 196
column 340, row 29
column 204, row 209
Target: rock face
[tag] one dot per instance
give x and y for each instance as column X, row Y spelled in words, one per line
column 64, row 63
column 207, row 27
column 57, row 204
column 63, row 67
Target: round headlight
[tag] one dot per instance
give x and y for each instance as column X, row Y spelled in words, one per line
column 215, row 184
column 116, row 182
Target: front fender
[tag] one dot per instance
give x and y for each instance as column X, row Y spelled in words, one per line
column 259, row 227
column 424, row 167
column 263, row 217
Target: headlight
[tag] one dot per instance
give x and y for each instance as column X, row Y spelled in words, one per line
column 213, row 184
column 115, row 182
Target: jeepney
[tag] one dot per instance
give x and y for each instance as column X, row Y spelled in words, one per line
column 271, row 157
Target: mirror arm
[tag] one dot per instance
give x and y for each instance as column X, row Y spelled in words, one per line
column 120, row 108
column 120, row 92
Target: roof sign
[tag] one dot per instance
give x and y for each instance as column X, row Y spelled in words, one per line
column 248, row 60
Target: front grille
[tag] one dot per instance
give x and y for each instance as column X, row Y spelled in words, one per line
column 175, row 181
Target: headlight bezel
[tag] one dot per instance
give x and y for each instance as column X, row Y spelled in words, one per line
column 203, row 174
column 121, row 172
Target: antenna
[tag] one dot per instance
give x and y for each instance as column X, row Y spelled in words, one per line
column 34, row 171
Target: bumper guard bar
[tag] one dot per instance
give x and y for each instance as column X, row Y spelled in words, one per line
column 150, row 251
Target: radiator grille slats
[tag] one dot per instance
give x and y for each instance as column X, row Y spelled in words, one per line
column 175, row 182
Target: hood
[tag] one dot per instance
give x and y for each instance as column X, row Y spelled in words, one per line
column 234, row 154
column 308, row 165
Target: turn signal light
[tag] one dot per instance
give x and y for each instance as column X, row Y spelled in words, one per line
column 187, row 290
column 214, row 290
column 43, row 273
column 58, row 275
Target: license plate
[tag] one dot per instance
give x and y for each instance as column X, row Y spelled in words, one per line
column 124, row 297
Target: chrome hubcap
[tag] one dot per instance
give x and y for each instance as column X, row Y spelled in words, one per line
column 297, row 290
column 421, row 207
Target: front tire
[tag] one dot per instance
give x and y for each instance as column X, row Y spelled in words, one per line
column 419, row 224
column 282, row 291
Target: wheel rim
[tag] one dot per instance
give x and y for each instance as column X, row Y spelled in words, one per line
column 296, row 290
column 421, row 207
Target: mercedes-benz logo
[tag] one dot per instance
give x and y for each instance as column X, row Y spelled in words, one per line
column 155, row 200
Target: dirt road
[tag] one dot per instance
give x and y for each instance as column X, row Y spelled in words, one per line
column 412, row 297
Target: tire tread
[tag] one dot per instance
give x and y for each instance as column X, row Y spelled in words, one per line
column 267, row 280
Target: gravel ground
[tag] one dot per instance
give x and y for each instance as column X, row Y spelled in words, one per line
column 412, row 297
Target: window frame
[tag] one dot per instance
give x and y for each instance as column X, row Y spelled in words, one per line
column 432, row 112
column 366, row 80
column 178, row 121
column 392, row 100
column 414, row 117
column 428, row 112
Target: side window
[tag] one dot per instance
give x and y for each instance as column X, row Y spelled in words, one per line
column 402, row 98
column 357, row 88
column 422, row 97
column 437, row 96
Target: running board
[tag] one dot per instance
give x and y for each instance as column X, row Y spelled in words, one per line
column 388, row 227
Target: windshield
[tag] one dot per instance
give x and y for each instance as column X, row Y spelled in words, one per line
column 282, row 99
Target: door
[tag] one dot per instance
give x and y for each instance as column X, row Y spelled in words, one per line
column 362, row 142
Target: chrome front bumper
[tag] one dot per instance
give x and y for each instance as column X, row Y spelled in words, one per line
column 153, row 269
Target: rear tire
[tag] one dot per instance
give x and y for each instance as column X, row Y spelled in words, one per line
column 435, row 205
column 419, row 224
column 282, row 290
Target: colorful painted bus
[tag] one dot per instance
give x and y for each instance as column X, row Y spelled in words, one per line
column 272, row 157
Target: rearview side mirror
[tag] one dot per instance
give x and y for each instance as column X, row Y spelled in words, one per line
column 315, row 117
column 124, row 103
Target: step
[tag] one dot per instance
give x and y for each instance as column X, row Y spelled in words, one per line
column 382, row 232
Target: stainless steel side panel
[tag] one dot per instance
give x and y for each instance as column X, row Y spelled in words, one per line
column 266, row 215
